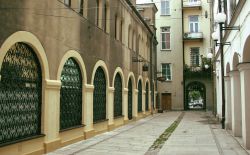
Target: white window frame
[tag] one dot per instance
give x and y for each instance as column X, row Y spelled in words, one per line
column 165, row 13
column 199, row 60
column 168, row 32
column 170, row 68
column 67, row 2
column 193, row 23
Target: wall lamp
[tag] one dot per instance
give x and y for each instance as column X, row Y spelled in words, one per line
column 220, row 18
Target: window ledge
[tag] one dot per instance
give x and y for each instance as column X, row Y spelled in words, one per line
column 166, row 50
column 71, row 128
column 22, row 140
column 165, row 15
column 118, row 117
column 100, row 121
column 168, row 81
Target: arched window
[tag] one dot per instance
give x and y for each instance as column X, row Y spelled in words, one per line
column 147, row 95
column 139, row 96
column 130, row 99
column 20, row 94
column 71, row 95
column 99, row 100
column 118, row 96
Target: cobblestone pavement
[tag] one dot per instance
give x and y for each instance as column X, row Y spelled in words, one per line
column 195, row 135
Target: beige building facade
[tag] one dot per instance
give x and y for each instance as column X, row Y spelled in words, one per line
column 170, row 54
column 70, row 70
column 183, row 32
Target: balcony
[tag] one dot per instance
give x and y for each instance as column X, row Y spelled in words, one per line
column 193, row 36
column 187, row 4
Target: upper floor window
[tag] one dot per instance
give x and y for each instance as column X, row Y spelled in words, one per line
column 97, row 12
column 166, row 70
column 165, row 7
column 193, row 23
column 165, row 38
column 195, row 56
column 67, row 2
column 80, row 4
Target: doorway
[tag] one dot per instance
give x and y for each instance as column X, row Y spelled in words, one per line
column 166, row 101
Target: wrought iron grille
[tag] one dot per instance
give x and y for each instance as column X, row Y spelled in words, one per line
column 146, row 104
column 20, row 94
column 71, row 95
column 99, row 96
column 118, row 96
column 139, row 96
column 195, row 86
column 130, row 100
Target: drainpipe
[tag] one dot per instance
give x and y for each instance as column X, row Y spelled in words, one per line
column 151, row 74
column 183, row 57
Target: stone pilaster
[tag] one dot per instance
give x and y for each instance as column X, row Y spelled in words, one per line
column 236, row 103
column 228, row 103
column 245, row 98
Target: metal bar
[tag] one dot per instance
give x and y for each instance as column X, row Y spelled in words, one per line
column 231, row 28
column 222, row 71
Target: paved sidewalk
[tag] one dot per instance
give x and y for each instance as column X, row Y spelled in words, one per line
column 196, row 135
column 132, row 139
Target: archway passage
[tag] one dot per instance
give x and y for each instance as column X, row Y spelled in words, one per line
column 139, row 96
column 71, row 95
column 196, row 95
column 146, row 96
column 118, row 96
column 130, row 100
column 99, row 107
column 20, row 94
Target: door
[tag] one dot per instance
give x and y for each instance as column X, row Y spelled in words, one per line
column 166, row 101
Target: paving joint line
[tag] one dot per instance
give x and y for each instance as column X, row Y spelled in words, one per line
column 139, row 124
column 160, row 141
column 215, row 138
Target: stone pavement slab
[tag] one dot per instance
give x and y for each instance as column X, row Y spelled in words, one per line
column 132, row 139
column 197, row 135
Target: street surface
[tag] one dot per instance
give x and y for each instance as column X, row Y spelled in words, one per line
column 196, row 134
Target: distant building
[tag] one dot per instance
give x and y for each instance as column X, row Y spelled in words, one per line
column 183, row 31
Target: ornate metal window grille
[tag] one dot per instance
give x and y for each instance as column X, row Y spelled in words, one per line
column 139, row 96
column 71, row 95
column 130, row 100
column 146, row 104
column 99, row 96
column 195, row 86
column 118, row 96
column 20, row 94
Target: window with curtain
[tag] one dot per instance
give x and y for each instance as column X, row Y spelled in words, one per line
column 165, row 7
column 193, row 23
column 165, row 38
column 166, row 71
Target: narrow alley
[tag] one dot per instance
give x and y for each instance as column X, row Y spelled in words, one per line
column 197, row 134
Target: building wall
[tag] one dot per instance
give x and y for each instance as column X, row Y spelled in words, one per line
column 56, row 33
column 173, row 56
column 236, row 66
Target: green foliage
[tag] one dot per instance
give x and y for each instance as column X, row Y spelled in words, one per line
column 195, row 95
